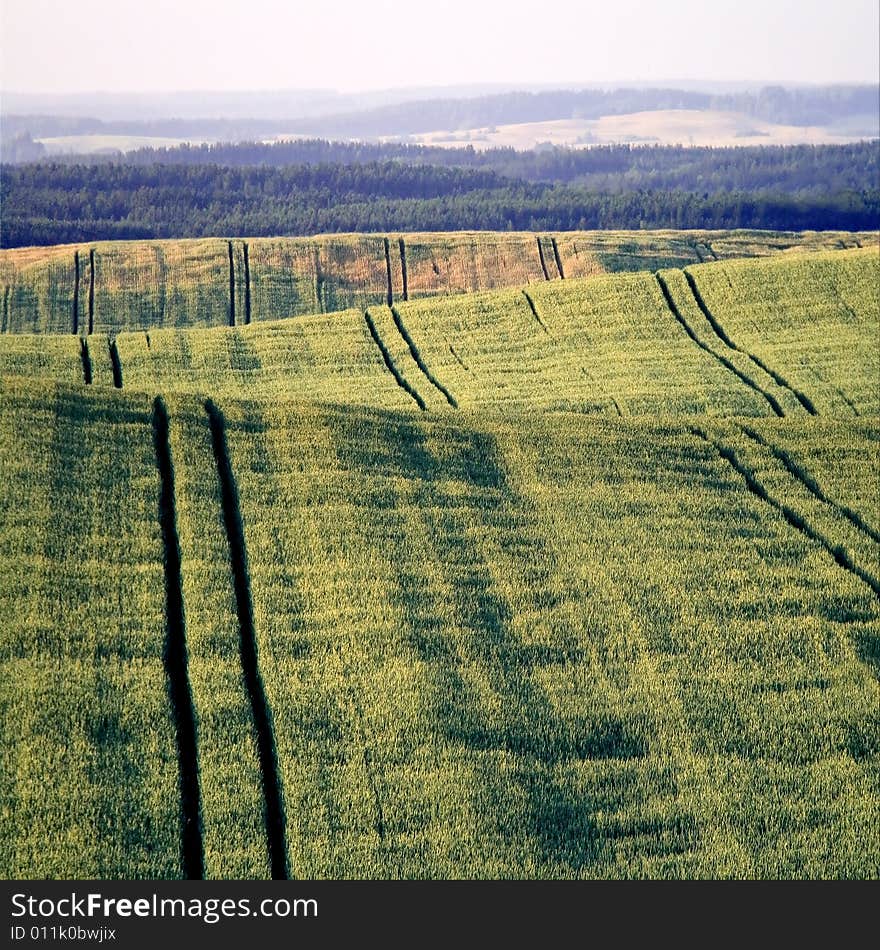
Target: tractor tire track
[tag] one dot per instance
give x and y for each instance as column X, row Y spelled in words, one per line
column 403, row 268
column 319, row 281
column 389, row 363
column 86, row 360
column 459, row 360
column 75, row 314
column 535, row 313
column 175, row 656
column 390, row 293
column 795, row 520
column 848, row 401
column 807, row 480
column 417, row 356
column 161, row 283
column 247, row 284
column 91, row 290
column 722, row 335
column 673, row 309
column 260, row 709
column 358, row 719
column 557, row 258
column 541, row 255
column 231, row 284
column 115, row 362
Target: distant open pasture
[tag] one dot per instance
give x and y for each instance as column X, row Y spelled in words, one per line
column 697, row 127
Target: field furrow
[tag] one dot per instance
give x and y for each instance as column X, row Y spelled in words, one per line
column 757, row 474
column 809, row 482
column 176, row 656
column 401, row 243
column 812, row 318
column 230, row 781
column 86, row 360
column 678, row 307
column 89, row 766
column 392, row 363
column 135, row 285
column 805, row 401
column 260, row 711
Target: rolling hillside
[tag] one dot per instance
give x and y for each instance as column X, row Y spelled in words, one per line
column 781, row 335
column 111, row 286
column 575, row 576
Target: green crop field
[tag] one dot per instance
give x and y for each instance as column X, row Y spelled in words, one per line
column 535, row 571
column 112, row 286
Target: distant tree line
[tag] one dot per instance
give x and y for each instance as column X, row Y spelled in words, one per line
column 54, row 203
column 813, row 105
column 793, row 169
column 807, row 106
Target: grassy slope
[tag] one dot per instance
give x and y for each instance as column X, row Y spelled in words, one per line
column 321, row 357
column 533, row 678
column 483, row 658
column 813, row 320
column 90, row 779
column 629, row 344
column 211, row 282
column 492, row 643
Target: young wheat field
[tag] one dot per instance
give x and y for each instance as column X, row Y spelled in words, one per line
column 447, row 556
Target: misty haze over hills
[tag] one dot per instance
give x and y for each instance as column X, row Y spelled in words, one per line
column 302, row 103
column 115, row 123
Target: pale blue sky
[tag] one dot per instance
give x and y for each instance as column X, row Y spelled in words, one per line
column 147, row 45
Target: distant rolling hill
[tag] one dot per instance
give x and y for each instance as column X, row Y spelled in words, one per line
column 694, row 127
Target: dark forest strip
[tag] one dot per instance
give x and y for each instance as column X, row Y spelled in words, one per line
column 402, row 245
column 557, row 258
column 673, row 309
column 541, row 256
column 417, row 356
column 75, row 315
column 175, row 657
column 262, row 714
column 115, row 362
column 390, row 294
column 792, row 517
column 719, row 330
column 810, row 483
column 86, row 360
column 389, row 363
column 231, row 285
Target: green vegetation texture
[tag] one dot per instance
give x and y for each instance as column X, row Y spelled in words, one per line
column 576, row 579
column 113, row 286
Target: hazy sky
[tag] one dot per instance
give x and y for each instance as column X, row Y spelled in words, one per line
column 133, row 45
